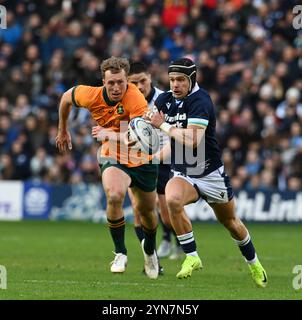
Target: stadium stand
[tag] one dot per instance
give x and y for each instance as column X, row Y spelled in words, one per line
column 249, row 58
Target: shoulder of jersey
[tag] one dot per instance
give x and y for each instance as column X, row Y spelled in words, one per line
column 164, row 96
column 158, row 91
column 200, row 95
column 133, row 90
column 132, row 87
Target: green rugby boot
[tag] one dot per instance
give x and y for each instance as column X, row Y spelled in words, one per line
column 258, row 274
column 190, row 264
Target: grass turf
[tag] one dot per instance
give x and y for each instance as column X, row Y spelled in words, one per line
column 70, row 260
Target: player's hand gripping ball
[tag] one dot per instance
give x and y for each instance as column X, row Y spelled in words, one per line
column 144, row 134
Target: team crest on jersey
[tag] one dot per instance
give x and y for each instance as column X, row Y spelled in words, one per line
column 120, row 109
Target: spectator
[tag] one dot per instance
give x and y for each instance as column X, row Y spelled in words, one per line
column 294, row 183
column 20, row 160
column 290, row 107
column 253, row 163
column 74, row 39
column 247, row 52
column 40, row 162
column 172, row 10
column 13, row 33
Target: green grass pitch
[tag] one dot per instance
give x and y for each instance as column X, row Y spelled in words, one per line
column 70, row 260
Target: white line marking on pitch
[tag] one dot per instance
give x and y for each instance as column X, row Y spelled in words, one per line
column 157, row 284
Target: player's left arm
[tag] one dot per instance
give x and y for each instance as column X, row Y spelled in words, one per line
column 63, row 138
column 190, row 136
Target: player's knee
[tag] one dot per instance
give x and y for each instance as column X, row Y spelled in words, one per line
column 145, row 208
column 174, row 203
column 115, row 198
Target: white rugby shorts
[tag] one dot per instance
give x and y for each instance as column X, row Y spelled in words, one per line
column 213, row 188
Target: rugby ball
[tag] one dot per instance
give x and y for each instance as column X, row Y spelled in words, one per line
column 144, row 134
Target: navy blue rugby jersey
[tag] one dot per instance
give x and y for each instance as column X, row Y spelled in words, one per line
column 197, row 108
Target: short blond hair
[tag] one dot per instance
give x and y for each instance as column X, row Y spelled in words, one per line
column 115, row 65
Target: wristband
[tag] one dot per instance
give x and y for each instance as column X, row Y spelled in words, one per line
column 165, row 127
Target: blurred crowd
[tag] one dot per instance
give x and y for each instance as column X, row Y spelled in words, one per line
column 248, row 55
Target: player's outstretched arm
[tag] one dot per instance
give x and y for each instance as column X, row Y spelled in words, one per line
column 63, row 138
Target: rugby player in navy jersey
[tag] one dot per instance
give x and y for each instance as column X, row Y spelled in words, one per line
column 186, row 113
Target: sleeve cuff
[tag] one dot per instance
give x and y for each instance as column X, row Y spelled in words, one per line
column 73, row 97
column 165, row 127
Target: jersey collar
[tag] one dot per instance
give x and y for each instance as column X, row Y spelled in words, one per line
column 109, row 102
column 151, row 94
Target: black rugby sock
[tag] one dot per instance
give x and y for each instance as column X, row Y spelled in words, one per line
column 117, row 231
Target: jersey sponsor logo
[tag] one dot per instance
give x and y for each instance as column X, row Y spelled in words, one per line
column 168, row 105
column 179, row 124
column 178, row 117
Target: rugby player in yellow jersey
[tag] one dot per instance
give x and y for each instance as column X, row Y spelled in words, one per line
column 111, row 105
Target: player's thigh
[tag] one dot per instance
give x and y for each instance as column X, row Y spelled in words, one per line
column 115, row 181
column 181, row 191
column 145, row 201
column 224, row 211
